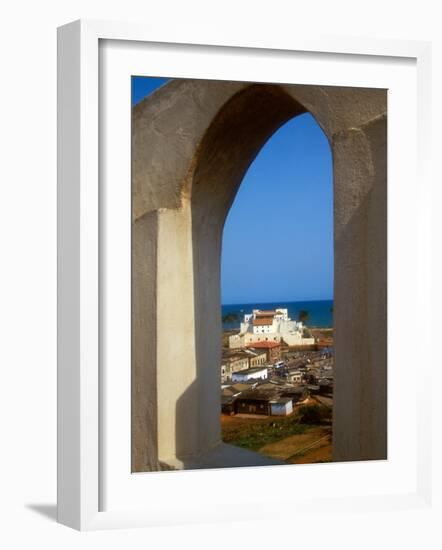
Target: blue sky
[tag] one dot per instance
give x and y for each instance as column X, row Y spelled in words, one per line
column 278, row 236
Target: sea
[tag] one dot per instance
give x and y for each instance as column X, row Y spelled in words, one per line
column 320, row 312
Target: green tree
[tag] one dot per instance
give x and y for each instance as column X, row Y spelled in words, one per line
column 230, row 318
column 314, row 414
column 303, row 315
column 310, row 414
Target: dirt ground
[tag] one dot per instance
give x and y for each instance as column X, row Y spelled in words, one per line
column 321, row 332
column 313, row 445
column 309, row 447
column 322, row 453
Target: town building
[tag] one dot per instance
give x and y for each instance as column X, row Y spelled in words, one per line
column 257, row 357
column 325, row 386
column 229, row 395
column 281, row 407
column 255, row 402
column 233, row 362
column 262, row 400
column 257, row 373
column 272, row 350
column 269, row 326
column 298, row 394
column 294, row 376
column 268, row 397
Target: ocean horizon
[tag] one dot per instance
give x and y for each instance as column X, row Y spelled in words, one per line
column 320, row 311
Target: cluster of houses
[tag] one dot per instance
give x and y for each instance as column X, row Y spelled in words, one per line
column 264, row 370
column 275, row 389
column 268, row 398
column 235, row 361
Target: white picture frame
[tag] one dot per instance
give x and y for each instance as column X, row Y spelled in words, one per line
column 80, row 390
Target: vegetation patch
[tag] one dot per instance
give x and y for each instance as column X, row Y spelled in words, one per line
column 314, row 414
column 255, row 434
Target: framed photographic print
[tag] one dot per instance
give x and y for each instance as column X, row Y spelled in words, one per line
column 235, row 247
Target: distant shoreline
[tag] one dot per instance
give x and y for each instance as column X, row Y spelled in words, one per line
column 276, row 302
column 319, row 312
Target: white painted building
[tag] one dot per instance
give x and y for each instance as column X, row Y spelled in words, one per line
column 281, row 407
column 258, row 373
column 295, row 376
column 269, row 325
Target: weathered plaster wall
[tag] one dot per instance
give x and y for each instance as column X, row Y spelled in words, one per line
column 360, row 311
column 144, row 343
column 192, row 144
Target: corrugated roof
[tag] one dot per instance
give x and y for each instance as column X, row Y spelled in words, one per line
column 262, row 321
column 264, row 344
column 259, row 395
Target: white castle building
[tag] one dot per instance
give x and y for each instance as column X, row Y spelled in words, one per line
column 269, row 325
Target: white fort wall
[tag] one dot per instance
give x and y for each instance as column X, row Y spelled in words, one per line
column 281, row 329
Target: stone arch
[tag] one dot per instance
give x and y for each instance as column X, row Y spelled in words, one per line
column 192, row 142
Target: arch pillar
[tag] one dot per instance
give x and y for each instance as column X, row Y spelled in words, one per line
column 176, row 347
column 360, row 293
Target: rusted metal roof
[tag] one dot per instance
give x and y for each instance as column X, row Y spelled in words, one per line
column 264, row 345
column 262, row 321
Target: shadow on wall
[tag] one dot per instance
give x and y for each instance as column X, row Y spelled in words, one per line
column 220, row 455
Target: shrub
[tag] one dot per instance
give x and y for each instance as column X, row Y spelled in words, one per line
column 311, row 414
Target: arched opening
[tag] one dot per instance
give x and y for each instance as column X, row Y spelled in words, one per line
column 277, row 300
column 235, row 137
column 192, row 144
